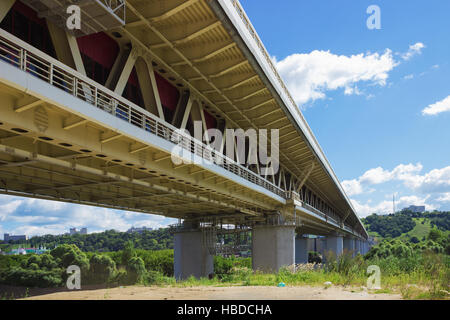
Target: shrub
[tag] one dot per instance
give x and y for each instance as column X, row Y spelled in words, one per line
column 128, row 253
column 136, row 270
column 314, row 257
column 102, row 269
column 160, row 261
column 70, row 254
column 223, row 267
column 31, row 278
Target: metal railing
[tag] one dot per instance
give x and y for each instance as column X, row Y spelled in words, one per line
column 44, row 67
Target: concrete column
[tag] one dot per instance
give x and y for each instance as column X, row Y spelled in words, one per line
column 273, row 247
column 191, row 257
column 358, row 246
column 301, row 250
column 336, row 244
column 348, row 244
column 366, row 247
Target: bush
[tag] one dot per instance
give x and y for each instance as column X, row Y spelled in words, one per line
column 314, row 257
column 31, row 278
column 70, row 254
column 224, row 267
column 160, row 261
column 128, row 253
column 136, row 270
column 153, row 277
column 102, row 269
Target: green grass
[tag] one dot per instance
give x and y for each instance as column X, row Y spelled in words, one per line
column 420, row 230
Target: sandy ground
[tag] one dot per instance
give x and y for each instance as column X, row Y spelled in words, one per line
column 219, row 293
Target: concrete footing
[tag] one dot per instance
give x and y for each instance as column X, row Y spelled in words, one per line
column 191, row 257
column 272, row 247
column 301, row 250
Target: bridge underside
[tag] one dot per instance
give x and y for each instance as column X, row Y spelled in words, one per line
column 66, row 137
column 51, row 153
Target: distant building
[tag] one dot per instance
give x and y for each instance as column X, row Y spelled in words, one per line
column 22, row 251
column 73, row 231
column 8, row 237
column 139, row 230
column 416, row 209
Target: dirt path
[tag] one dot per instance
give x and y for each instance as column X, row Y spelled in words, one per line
column 219, row 293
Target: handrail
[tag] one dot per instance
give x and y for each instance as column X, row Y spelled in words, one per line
column 50, row 70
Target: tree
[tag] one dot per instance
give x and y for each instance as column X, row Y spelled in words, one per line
column 70, row 254
column 128, row 253
column 434, row 235
column 136, row 270
column 102, row 268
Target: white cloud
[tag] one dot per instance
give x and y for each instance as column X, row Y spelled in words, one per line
column 406, row 173
column 445, row 197
column 38, row 217
column 352, row 187
column 386, row 206
column 438, row 107
column 414, row 49
column 408, row 77
column 308, row 76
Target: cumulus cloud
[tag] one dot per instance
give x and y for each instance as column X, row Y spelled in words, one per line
column 38, row 217
column 309, row 75
column 413, row 50
column 438, row 107
column 445, row 197
column 386, row 206
column 406, row 173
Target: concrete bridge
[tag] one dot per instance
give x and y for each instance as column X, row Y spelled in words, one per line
column 92, row 116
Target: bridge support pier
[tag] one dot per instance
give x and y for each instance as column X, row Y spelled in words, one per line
column 335, row 244
column 301, row 250
column 272, row 247
column 191, row 257
column 349, row 245
column 357, row 246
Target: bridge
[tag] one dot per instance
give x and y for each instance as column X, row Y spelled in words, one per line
column 92, row 116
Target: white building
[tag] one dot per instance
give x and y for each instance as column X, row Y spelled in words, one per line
column 417, row 209
column 139, row 230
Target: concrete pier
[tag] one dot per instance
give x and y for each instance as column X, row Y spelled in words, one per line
column 272, row 247
column 335, row 243
column 349, row 244
column 191, row 257
column 301, row 250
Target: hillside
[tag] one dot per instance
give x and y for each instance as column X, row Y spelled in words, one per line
column 406, row 225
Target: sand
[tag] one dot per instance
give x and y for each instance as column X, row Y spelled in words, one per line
column 219, row 293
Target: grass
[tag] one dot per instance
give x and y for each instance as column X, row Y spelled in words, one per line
column 420, row 230
column 429, row 279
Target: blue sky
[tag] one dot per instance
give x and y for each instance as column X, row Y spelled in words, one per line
column 377, row 100
column 364, row 92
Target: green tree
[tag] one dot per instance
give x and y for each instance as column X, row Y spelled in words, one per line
column 128, row 253
column 102, row 268
column 136, row 270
